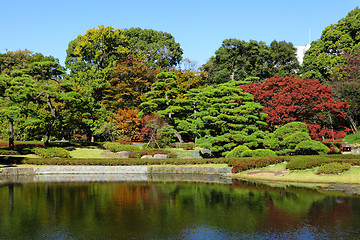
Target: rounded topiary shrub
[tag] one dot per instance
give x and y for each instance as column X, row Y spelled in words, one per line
column 311, row 147
column 259, row 153
column 237, row 151
column 333, row 168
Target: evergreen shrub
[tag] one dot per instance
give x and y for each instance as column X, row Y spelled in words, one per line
column 237, row 151
column 311, row 147
column 118, row 147
column 333, row 168
column 259, row 153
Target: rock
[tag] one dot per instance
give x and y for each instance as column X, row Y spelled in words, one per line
column 123, row 154
column 147, row 156
column 160, row 156
column 196, row 154
column 187, row 157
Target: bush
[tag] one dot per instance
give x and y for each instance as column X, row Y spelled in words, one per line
column 8, row 152
column 52, row 152
column 308, row 162
column 237, row 151
column 247, row 163
column 118, row 147
column 311, row 147
column 333, row 168
column 259, row 153
column 188, row 146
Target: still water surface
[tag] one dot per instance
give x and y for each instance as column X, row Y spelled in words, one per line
column 175, row 210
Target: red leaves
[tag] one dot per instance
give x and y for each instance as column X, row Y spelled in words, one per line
column 294, row 99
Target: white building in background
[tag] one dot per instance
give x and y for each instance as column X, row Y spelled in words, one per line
column 300, row 52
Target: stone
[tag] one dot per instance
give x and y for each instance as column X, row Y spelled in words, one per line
column 160, row 156
column 147, row 156
column 187, row 157
column 123, row 154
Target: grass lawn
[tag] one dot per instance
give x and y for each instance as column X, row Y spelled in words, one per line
column 306, row 176
column 86, row 153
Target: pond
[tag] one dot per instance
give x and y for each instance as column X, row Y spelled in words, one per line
column 69, row 207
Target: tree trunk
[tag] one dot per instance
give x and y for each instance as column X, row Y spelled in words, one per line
column 177, row 134
column 51, row 122
column 11, row 134
column 353, row 124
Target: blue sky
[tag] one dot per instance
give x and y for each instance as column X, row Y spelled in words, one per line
column 47, row 26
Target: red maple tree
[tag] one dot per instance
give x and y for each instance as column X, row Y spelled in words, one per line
column 307, row 100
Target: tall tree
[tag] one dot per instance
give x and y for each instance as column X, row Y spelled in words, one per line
column 326, row 54
column 16, row 91
column 129, row 81
column 346, row 84
column 48, row 74
column 158, row 48
column 237, row 60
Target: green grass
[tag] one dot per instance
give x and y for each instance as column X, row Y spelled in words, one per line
column 86, row 153
column 305, row 176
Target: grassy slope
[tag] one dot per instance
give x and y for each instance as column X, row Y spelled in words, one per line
column 307, row 176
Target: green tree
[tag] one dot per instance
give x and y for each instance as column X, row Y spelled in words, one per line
column 48, row 77
column 237, row 60
column 162, row 99
column 326, row 54
column 158, row 48
column 16, row 91
column 227, row 117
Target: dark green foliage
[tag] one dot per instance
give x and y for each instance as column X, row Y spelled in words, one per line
column 52, row 152
column 227, row 118
column 333, row 168
column 244, row 164
column 236, row 152
column 9, row 160
column 237, row 60
column 118, row 147
column 311, row 147
column 259, row 153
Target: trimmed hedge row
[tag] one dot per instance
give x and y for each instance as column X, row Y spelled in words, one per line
column 108, row 162
column 308, row 162
column 244, row 164
column 8, row 152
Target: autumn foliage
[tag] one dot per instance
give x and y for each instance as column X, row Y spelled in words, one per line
column 294, row 99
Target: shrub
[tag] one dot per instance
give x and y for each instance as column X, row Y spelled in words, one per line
column 237, row 151
column 308, row 162
column 118, row 147
column 247, row 163
column 52, row 152
column 188, row 146
column 311, row 147
column 333, row 168
column 8, row 152
column 259, row 153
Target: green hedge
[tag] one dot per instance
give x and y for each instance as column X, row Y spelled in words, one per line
column 52, row 152
column 244, row 164
column 118, row 147
column 120, row 162
column 308, row 162
column 333, row 168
